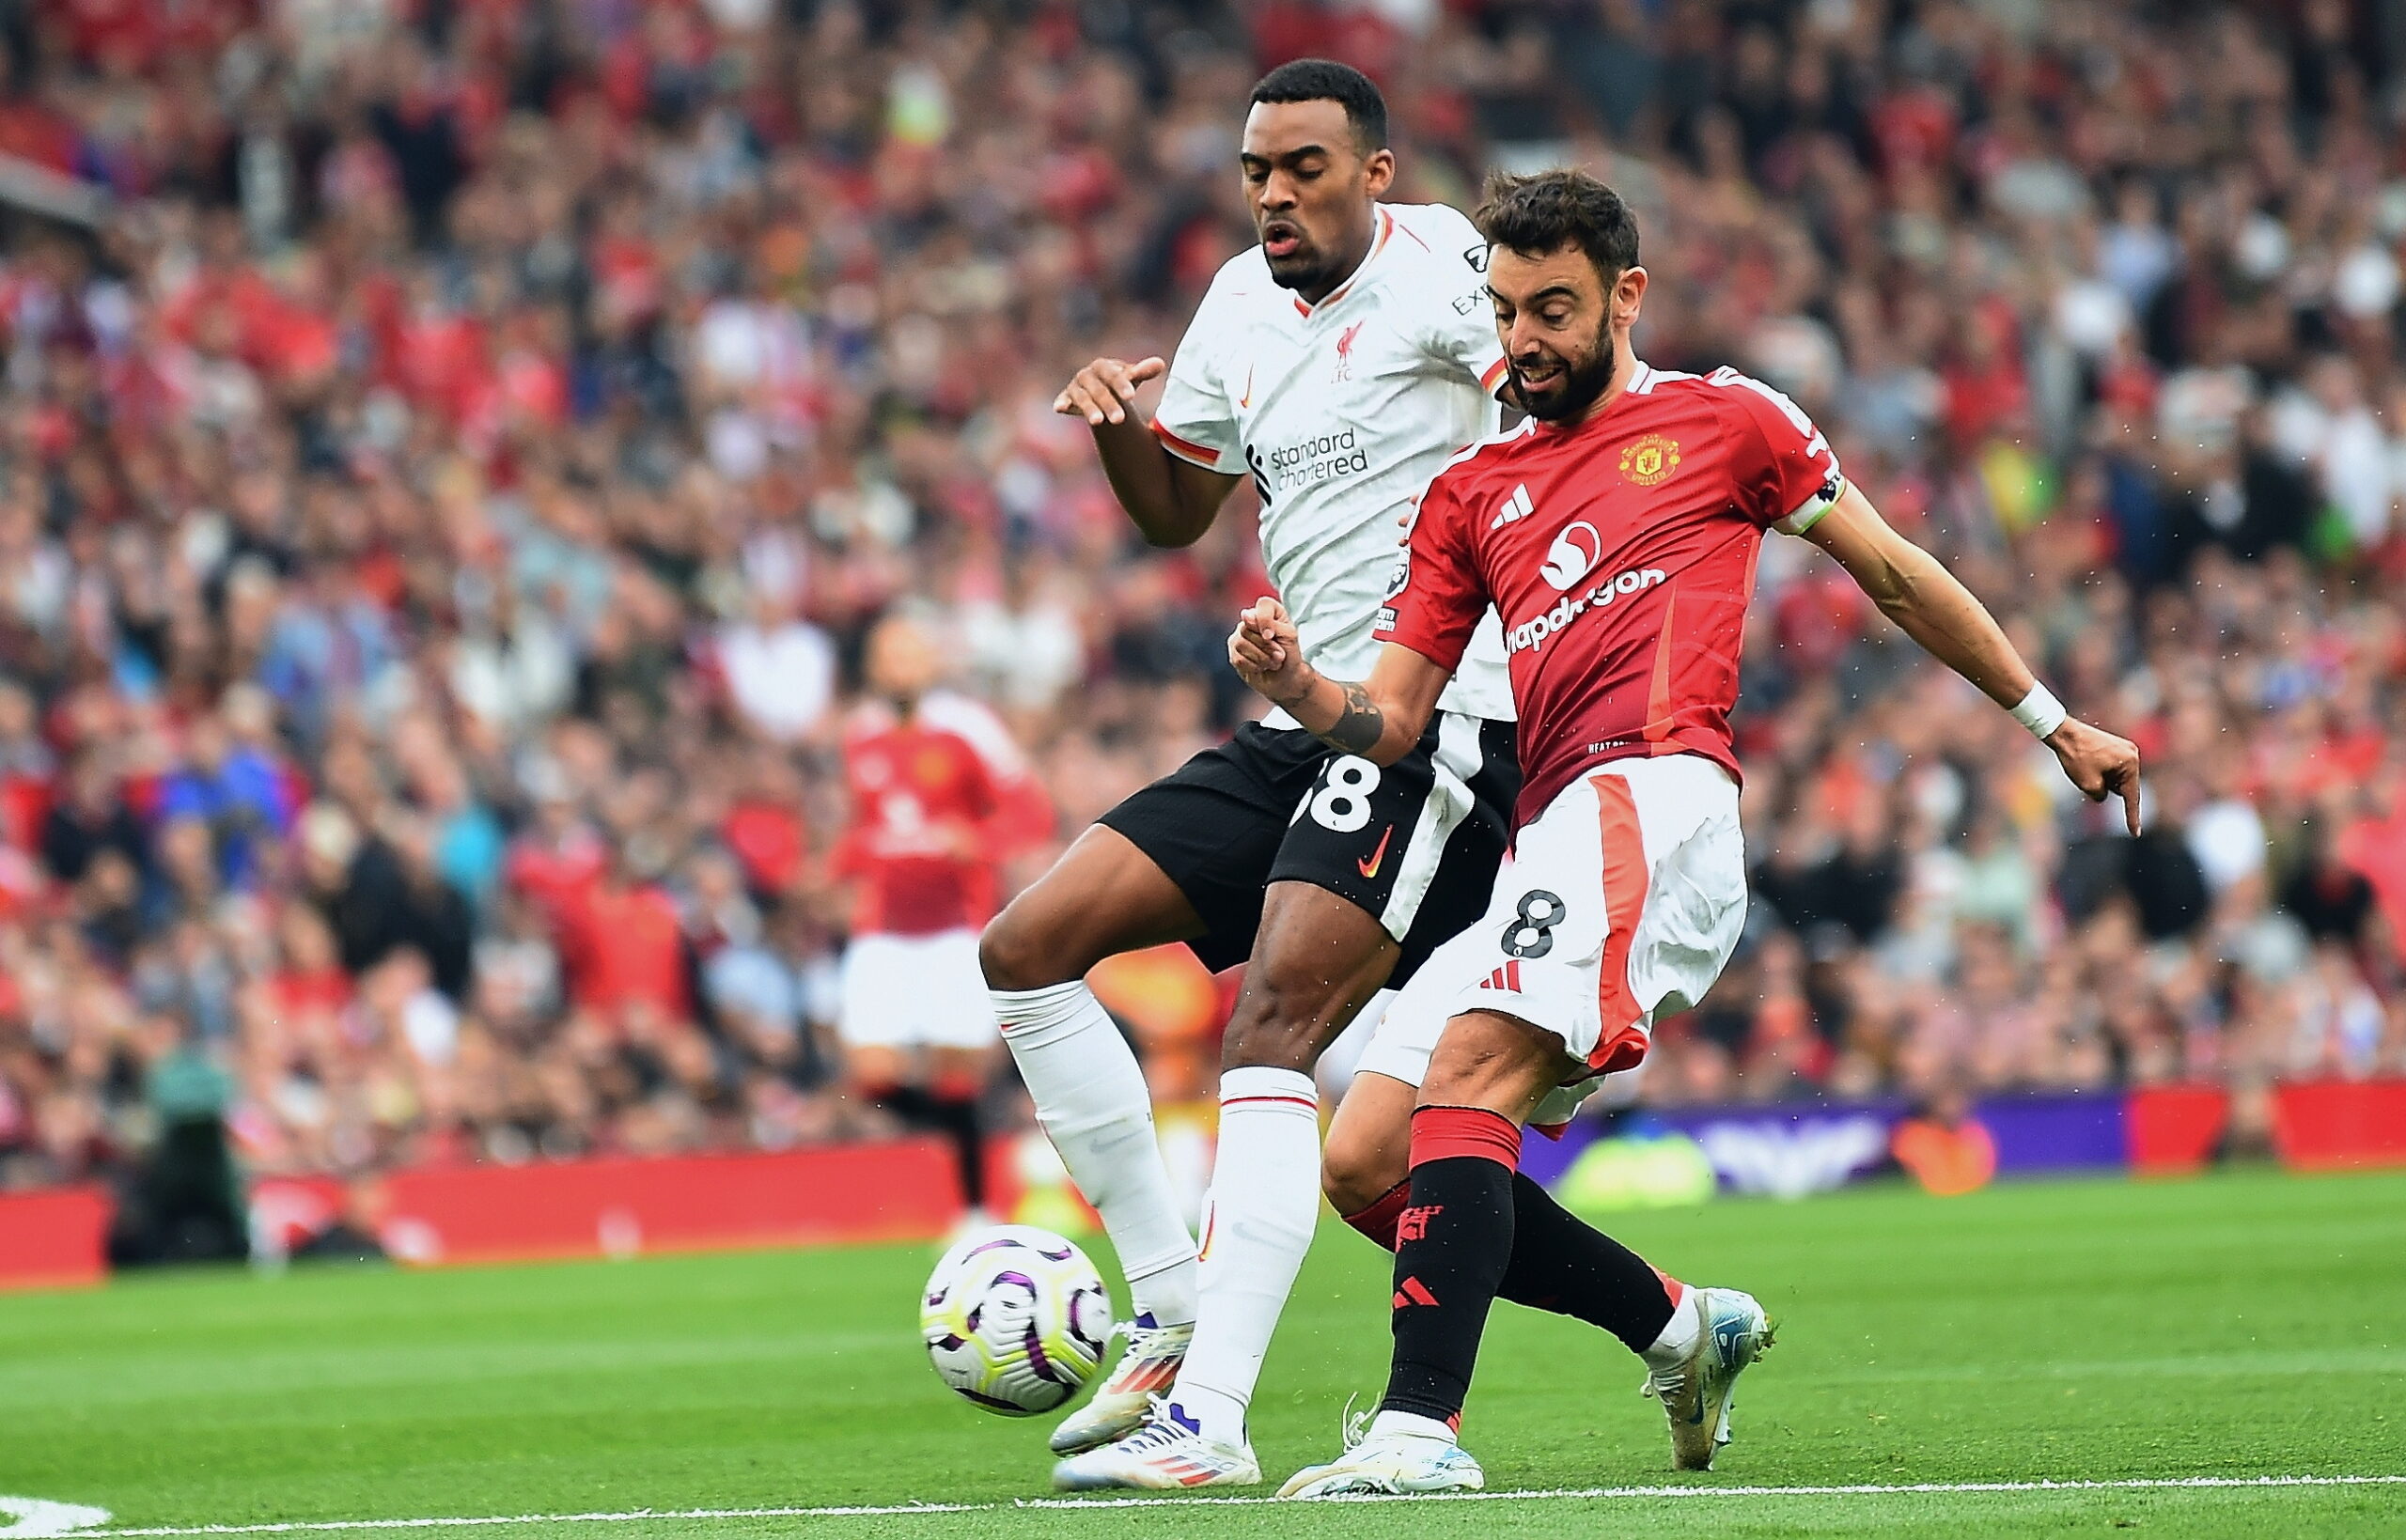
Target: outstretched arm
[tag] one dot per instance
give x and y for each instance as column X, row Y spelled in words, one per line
column 1939, row 612
column 1381, row 718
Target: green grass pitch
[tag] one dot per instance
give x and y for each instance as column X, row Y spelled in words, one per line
column 2237, row 1325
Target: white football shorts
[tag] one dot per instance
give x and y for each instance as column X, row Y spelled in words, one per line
column 1623, row 901
column 915, row 991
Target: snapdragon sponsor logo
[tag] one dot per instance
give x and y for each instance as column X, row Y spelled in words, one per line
column 1312, row 461
column 1530, row 634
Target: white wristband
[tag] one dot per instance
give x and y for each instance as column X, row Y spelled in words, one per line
column 2040, row 711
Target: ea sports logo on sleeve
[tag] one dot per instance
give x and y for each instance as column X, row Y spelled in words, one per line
column 1572, row 554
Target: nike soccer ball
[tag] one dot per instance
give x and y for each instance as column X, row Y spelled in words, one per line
column 1015, row 1319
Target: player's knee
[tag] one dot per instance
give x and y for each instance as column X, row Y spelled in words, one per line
column 1356, row 1174
column 1276, row 1022
column 1486, row 1059
column 1018, row 952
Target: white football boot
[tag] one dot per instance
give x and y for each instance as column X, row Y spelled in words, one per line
column 1168, row 1454
column 1118, row 1409
column 1398, row 1463
column 1696, row 1393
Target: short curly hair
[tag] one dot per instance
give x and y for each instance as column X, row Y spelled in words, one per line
column 1538, row 214
column 1325, row 80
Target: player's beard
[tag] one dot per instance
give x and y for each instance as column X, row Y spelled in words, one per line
column 1577, row 388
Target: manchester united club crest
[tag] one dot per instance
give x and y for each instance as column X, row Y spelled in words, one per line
column 1649, row 461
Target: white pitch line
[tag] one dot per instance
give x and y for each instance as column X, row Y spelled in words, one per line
column 1590, row 1494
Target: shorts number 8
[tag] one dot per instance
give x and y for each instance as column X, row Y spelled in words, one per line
column 1531, row 932
column 1343, row 805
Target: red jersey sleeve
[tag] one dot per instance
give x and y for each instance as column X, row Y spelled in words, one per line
column 1436, row 596
column 1787, row 473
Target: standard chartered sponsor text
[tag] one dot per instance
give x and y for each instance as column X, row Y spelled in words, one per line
column 1314, row 460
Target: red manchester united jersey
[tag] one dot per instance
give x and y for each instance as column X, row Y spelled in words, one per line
column 1619, row 554
column 921, row 800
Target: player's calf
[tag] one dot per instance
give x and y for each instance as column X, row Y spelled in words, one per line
column 1103, row 897
column 1319, row 958
column 1454, row 1236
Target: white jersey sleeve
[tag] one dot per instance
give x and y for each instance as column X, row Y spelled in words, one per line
column 1462, row 330
column 1197, row 420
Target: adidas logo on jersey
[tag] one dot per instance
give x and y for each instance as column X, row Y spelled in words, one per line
column 1513, row 508
column 1507, row 978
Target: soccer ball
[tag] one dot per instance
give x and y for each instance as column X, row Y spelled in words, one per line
column 1015, row 1319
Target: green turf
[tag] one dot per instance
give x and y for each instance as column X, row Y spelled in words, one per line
column 2237, row 1325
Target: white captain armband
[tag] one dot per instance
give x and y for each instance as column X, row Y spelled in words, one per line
column 1810, row 512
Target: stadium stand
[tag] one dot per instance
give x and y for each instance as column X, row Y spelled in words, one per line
column 443, row 495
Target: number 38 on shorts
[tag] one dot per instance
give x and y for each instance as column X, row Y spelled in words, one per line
column 1340, row 804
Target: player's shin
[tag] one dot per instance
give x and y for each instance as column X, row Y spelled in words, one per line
column 1454, row 1239
column 1091, row 1099
column 1561, row 1264
column 1258, row 1226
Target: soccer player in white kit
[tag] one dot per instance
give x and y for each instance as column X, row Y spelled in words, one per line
column 1617, row 534
column 1336, row 365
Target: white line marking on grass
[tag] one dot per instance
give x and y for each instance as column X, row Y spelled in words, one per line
column 1557, row 1494
column 37, row 1516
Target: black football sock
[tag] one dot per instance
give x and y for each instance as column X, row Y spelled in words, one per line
column 1561, row 1264
column 951, row 1111
column 1454, row 1239
column 955, row 1118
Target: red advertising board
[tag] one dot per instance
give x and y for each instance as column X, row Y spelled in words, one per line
column 54, row 1239
column 851, row 1192
column 2335, row 1124
column 2175, row 1127
column 904, row 1189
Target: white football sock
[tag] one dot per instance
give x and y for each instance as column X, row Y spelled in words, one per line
column 1258, row 1223
column 1679, row 1335
column 1407, row 1425
column 1091, row 1098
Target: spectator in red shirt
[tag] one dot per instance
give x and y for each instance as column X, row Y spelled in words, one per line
column 629, row 948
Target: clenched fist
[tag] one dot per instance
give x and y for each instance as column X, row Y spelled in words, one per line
column 1268, row 654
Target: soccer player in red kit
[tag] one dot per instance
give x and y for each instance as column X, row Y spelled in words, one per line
column 917, row 1031
column 1615, row 534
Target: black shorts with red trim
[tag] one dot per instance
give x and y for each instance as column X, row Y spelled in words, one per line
column 1416, row 844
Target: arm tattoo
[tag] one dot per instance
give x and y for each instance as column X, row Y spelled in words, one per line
column 1361, row 726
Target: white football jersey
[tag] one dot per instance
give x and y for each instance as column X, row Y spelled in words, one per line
column 1342, row 413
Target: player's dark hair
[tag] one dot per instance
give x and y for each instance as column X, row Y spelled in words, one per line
column 1325, row 80
column 1539, row 214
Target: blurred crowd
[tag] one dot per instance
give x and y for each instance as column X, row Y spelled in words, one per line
column 443, row 497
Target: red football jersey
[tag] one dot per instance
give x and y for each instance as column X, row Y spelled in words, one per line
column 1619, row 554
column 921, row 796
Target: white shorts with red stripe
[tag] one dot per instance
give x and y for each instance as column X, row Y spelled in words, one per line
column 1623, row 902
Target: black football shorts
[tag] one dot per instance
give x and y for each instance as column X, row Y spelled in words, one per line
column 1416, row 844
